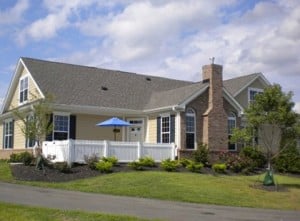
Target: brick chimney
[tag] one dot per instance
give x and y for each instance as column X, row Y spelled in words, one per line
column 215, row 118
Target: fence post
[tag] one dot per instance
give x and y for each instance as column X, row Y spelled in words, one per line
column 105, row 150
column 173, row 149
column 139, row 151
column 70, row 152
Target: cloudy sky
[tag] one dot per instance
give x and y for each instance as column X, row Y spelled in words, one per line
column 168, row 38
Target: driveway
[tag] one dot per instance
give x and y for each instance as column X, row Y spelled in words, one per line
column 145, row 208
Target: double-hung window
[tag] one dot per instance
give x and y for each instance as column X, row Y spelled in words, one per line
column 61, row 127
column 252, row 92
column 190, row 128
column 8, row 134
column 231, row 126
column 23, row 90
column 30, row 139
column 165, row 129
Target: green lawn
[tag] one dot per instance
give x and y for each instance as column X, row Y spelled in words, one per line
column 187, row 187
column 11, row 212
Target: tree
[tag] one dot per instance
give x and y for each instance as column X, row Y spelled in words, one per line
column 35, row 123
column 272, row 120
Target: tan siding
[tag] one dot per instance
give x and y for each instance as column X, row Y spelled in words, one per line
column 1, row 135
column 152, row 130
column 242, row 98
column 19, row 138
column 86, row 129
column 33, row 92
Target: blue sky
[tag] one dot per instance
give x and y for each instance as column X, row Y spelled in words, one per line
column 165, row 38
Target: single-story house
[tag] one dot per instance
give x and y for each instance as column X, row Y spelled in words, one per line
column 160, row 110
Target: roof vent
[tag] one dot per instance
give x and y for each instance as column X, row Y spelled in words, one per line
column 148, row 79
column 104, row 88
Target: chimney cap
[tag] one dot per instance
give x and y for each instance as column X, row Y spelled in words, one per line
column 212, row 60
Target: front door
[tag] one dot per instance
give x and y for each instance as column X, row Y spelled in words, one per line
column 135, row 130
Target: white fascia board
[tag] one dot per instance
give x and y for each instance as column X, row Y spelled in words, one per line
column 14, row 83
column 233, row 101
column 259, row 76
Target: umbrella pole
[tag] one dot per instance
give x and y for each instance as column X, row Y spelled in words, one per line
column 115, row 133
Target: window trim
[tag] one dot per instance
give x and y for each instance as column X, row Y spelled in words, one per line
column 5, row 134
column 232, row 116
column 20, row 91
column 57, row 131
column 193, row 114
column 257, row 90
column 161, row 127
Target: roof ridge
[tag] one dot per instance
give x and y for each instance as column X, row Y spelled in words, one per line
column 105, row 69
column 243, row 76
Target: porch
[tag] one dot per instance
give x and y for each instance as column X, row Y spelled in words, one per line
column 74, row 151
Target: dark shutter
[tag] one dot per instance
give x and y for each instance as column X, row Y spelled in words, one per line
column 3, row 139
column 72, row 131
column 13, row 133
column 49, row 136
column 172, row 129
column 158, row 125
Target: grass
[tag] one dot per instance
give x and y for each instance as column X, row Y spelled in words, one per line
column 186, row 187
column 11, row 212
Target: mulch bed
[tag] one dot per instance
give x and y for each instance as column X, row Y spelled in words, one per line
column 30, row 173
column 50, row 174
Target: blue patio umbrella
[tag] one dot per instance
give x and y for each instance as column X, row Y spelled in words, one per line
column 114, row 122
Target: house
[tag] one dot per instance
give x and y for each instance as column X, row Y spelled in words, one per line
column 160, row 110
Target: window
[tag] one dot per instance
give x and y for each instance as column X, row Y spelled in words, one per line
column 8, row 134
column 231, row 126
column 252, row 92
column 30, row 141
column 190, row 128
column 61, row 127
column 23, row 90
column 165, row 129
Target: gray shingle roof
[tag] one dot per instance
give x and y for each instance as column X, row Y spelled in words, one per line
column 235, row 84
column 80, row 85
column 90, row 86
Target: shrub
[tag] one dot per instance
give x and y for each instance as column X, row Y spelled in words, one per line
column 142, row 163
column 219, row 167
column 201, row 155
column 104, row 166
column 14, row 158
column 288, row 160
column 234, row 162
column 63, row 167
column 170, row 165
column 185, row 162
column 91, row 161
column 257, row 157
column 195, row 167
column 147, row 162
column 136, row 165
column 24, row 157
column 113, row 160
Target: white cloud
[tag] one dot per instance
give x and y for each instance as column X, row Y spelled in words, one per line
column 46, row 27
column 297, row 107
column 57, row 19
column 146, row 29
column 14, row 14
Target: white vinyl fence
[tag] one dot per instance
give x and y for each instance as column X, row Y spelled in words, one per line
column 75, row 150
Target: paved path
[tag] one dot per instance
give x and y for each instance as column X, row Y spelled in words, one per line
column 145, row 208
